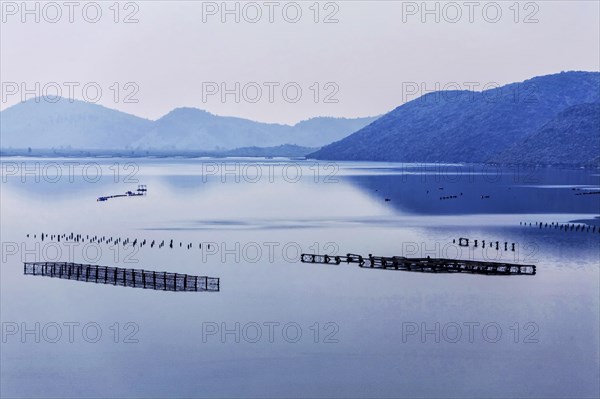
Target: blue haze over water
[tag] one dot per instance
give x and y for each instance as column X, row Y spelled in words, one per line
column 548, row 342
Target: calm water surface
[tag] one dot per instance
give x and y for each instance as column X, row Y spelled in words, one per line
column 283, row 328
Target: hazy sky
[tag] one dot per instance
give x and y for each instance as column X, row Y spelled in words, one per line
column 180, row 53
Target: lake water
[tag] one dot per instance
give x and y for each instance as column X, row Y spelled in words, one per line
column 281, row 328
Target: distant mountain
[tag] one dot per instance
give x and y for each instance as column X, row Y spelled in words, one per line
column 330, row 129
column 464, row 126
column 194, row 128
column 77, row 124
column 286, row 150
column 571, row 138
column 62, row 124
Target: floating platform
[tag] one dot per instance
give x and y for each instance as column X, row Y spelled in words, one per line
column 141, row 191
column 137, row 278
column 425, row 265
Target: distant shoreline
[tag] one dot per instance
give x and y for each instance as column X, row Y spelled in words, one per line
column 287, row 150
column 242, row 153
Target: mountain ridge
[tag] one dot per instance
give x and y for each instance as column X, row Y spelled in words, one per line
column 72, row 123
column 465, row 126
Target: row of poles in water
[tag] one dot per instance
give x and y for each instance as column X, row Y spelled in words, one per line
column 112, row 240
column 464, row 242
column 562, row 226
column 171, row 244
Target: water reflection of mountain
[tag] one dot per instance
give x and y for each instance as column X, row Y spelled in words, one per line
column 546, row 191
